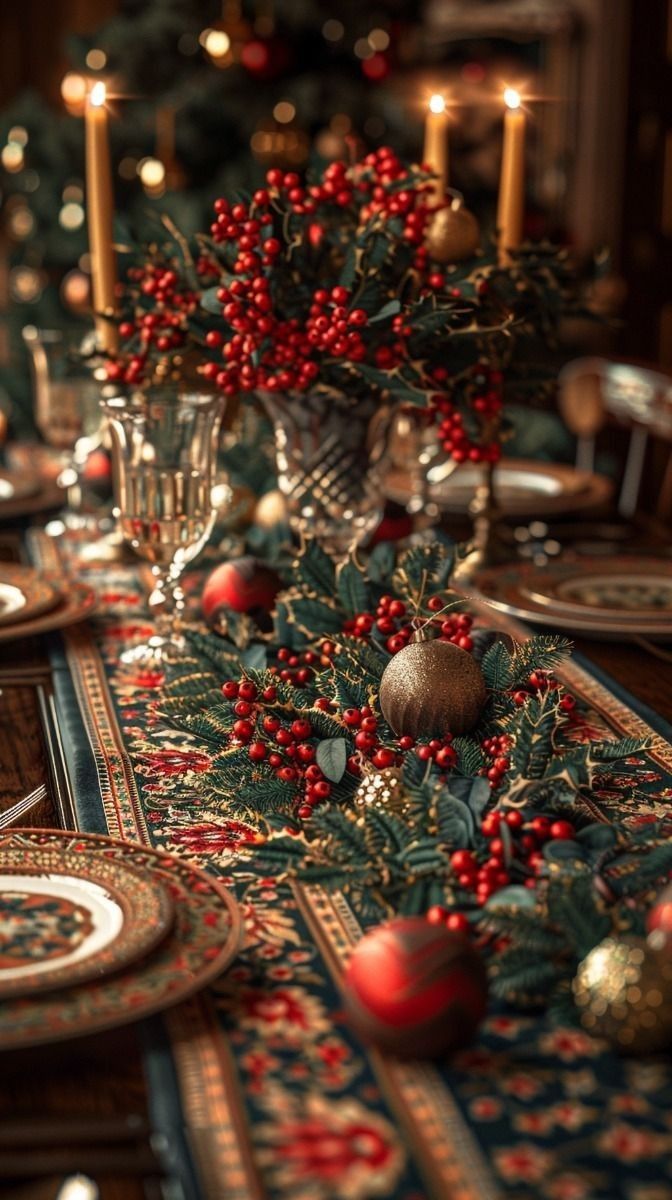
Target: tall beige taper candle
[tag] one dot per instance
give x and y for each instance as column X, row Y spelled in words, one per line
column 512, row 180
column 100, row 214
column 435, row 153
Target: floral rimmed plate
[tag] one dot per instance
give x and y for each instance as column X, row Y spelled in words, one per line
column 609, row 588
column 582, row 596
column 523, row 487
column 17, row 485
column 202, row 941
column 69, row 913
column 24, row 594
column 76, row 603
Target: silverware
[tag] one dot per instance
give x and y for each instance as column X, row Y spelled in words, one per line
column 10, row 815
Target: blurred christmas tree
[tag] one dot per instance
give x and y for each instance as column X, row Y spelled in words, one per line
column 206, row 95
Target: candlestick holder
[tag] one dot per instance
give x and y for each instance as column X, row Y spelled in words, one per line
column 488, row 547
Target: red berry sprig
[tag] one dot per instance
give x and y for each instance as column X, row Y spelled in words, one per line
column 292, row 756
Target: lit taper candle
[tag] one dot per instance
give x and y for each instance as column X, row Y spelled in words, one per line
column 512, row 180
column 435, row 154
column 100, row 214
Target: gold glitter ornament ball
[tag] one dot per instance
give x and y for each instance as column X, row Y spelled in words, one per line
column 453, row 235
column 431, row 688
column 623, row 990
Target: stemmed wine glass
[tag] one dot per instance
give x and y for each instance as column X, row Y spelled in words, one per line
column 67, row 410
column 168, row 494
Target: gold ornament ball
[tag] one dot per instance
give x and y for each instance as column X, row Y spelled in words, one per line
column 623, row 990
column 453, row 235
column 271, row 510
column 432, row 688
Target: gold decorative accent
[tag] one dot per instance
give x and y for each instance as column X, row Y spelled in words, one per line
column 623, row 990
column 382, row 789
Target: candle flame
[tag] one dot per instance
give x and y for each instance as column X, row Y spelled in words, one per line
column 437, row 104
column 511, row 98
column 98, row 94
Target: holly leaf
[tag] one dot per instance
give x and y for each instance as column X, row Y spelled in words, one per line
column 512, row 897
column 388, row 310
column 381, row 562
column 352, row 589
column 254, row 658
column 331, row 757
column 315, row 569
column 475, row 793
column 209, row 301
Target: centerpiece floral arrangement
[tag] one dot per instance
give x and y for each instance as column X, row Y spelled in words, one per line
column 345, row 288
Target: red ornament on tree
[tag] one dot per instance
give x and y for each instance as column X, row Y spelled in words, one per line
column 415, row 989
column 265, row 58
column 243, row 585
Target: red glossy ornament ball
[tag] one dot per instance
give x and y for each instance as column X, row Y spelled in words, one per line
column 243, row 585
column 660, row 915
column 415, row 989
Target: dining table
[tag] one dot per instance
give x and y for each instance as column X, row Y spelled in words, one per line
column 257, row 1086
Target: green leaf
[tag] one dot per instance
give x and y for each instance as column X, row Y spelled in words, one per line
column 331, row 757
column 381, row 562
column 497, row 667
column 352, row 590
column 514, row 896
column 388, row 310
column 254, row 658
column 475, row 793
column 315, row 569
column 209, row 301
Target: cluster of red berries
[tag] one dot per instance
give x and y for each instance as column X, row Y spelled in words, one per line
column 165, row 327
column 391, row 620
column 293, row 758
column 521, row 845
column 381, row 169
column 267, row 351
column 496, row 748
column 483, row 392
column 336, row 187
column 542, row 681
column 298, row 666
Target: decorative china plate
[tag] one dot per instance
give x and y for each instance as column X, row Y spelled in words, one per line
column 203, row 940
column 624, row 596
column 77, row 602
column 68, row 913
column 15, row 485
column 523, row 487
column 24, row 593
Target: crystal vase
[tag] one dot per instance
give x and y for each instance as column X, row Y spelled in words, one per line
column 331, row 455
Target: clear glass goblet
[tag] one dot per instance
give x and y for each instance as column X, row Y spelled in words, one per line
column 168, row 494
column 67, row 413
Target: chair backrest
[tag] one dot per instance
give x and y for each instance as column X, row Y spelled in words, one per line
column 589, row 389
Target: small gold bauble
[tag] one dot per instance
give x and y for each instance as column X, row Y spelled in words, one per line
column 623, row 990
column 271, row 510
column 431, row 688
column 382, row 789
column 453, row 235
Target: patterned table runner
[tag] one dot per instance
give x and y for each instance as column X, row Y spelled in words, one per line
column 279, row 1098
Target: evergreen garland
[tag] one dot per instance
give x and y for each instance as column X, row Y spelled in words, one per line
column 401, row 858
